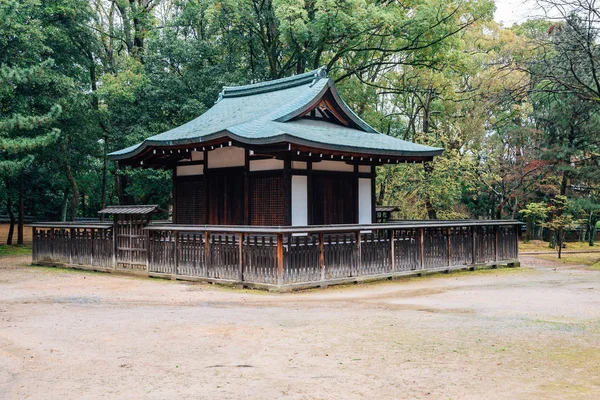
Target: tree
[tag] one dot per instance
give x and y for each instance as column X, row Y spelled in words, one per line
column 29, row 88
column 560, row 221
column 535, row 215
column 587, row 210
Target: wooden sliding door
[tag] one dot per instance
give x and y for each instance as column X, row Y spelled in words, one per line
column 334, row 199
column 226, row 196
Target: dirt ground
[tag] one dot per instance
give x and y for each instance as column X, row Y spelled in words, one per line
column 4, row 234
column 528, row 333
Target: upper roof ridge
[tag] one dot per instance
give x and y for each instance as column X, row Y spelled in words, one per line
column 274, row 85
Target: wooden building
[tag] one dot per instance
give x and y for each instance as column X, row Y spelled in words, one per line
column 287, row 152
column 274, row 187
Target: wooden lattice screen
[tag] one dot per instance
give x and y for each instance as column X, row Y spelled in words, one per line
column 267, row 200
column 190, row 196
column 131, row 240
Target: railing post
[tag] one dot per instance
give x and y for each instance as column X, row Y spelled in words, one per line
column 449, row 247
column 280, row 259
column 71, row 244
column 176, row 255
column 358, row 254
column 496, row 245
column 34, row 243
column 473, row 244
column 115, row 241
column 92, row 246
column 51, row 244
column 516, row 242
column 322, row 254
column 149, row 234
column 207, row 255
column 241, row 256
column 392, row 250
column 422, row 246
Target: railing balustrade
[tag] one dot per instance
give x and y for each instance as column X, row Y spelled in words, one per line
column 287, row 257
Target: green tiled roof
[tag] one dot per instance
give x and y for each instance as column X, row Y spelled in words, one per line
column 264, row 113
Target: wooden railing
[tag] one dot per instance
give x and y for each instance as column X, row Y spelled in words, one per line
column 74, row 244
column 289, row 257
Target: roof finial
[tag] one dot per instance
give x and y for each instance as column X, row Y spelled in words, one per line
column 319, row 73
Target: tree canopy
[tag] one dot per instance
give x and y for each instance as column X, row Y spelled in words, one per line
column 516, row 108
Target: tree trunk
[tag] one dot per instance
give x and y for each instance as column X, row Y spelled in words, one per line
column 564, row 183
column 75, row 189
column 104, row 177
column 65, row 205
column 21, row 208
column 592, row 232
column 431, row 211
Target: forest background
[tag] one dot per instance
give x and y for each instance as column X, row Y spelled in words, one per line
column 516, row 108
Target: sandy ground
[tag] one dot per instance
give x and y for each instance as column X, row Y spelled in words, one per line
column 528, row 333
column 4, row 234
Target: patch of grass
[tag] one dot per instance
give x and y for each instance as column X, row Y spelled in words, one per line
column 589, row 259
column 539, row 245
column 595, row 266
column 6, row 251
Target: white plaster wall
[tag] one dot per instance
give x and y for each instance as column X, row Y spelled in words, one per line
column 328, row 165
column 197, row 155
column 224, row 157
column 186, row 170
column 298, row 164
column 266, row 165
column 364, row 201
column 364, row 169
column 299, row 200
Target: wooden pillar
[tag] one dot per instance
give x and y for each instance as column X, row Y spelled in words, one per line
column 356, row 185
column 373, row 197
column 287, row 190
column 174, row 195
column 322, row 254
column 280, row 259
column 241, row 257
column 422, row 246
column 246, row 187
column 392, row 250
column 309, row 193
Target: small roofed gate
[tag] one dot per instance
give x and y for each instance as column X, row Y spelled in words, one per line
column 130, row 240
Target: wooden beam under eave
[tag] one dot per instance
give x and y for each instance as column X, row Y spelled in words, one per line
column 304, row 153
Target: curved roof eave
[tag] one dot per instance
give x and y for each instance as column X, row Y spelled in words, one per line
column 279, row 138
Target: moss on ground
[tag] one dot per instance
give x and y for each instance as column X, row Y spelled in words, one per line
column 6, row 250
column 539, row 245
column 591, row 260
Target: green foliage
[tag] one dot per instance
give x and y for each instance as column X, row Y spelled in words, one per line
column 518, row 124
column 535, row 214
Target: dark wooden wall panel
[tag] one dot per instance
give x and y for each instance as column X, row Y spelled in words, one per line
column 334, row 199
column 190, row 198
column 267, row 200
column 226, row 196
